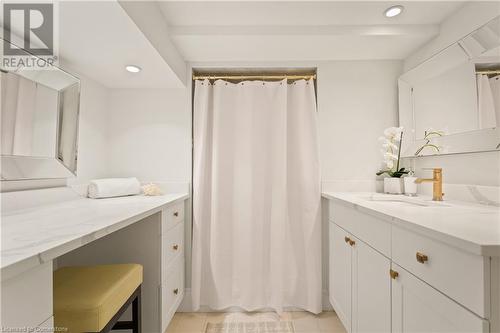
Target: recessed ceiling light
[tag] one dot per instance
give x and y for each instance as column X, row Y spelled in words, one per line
column 393, row 11
column 133, row 68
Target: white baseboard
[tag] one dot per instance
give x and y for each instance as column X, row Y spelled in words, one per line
column 187, row 304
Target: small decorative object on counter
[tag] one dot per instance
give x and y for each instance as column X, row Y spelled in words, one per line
column 151, row 189
column 391, row 150
column 410, row 186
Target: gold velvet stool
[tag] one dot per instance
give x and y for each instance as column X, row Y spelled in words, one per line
column 93, row 298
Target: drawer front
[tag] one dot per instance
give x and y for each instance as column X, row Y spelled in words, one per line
column 462, row 276
column 172, row 291
column 171, row 216
column 172, row 244
column 27, row 298
column 417, row 307
column 373, row 231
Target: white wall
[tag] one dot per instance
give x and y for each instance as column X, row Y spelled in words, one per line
column 149, row 135
column 357, row 100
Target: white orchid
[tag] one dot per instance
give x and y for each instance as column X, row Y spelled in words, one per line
column 393, row 133
column 391, row 144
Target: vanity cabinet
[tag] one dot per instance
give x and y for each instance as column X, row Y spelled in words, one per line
column 26, row 299
column 172, row 262
column 386, row 278
column 340, row 274
column 359, row 287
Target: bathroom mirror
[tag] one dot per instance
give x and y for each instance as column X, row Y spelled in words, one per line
column 39, row 123
column 450, row 103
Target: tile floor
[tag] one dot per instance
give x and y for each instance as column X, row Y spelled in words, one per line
column 304, row 322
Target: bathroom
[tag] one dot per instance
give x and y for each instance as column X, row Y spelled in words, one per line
column 250, row 166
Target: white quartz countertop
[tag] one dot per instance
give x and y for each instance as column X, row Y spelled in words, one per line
column 472, row 227
column 37, row 234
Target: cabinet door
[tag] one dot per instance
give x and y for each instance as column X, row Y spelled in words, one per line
column 340, row 274
column 417, row 307
column 371, row 289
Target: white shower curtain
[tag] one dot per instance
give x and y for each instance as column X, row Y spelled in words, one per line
column 256, row 196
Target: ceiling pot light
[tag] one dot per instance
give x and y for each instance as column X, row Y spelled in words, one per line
column 393, row 11
column 133, row 68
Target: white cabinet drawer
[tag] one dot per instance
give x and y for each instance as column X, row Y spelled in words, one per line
column 27, row 298
column 418, row 308
column 171, row 216
column 370, row 229
column 172, row 291
column 172, row 244
column 462, row 276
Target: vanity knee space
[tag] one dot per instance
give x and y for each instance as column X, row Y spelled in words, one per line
column 408, row 282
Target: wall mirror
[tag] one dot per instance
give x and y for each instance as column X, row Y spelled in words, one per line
column 450, row 103
column 39, row 123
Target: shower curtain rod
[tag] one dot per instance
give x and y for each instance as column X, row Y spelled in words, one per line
column 254, row 77
column 488, row 71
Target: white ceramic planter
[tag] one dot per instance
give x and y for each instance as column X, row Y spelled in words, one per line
column 393, row 185
column 410, row 187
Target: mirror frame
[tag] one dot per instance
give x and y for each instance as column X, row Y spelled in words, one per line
column 479, row 140
column 17, row 167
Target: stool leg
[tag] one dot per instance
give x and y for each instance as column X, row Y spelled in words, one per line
column 136, row 313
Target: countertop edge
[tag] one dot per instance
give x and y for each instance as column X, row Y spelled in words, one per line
column 487, row 250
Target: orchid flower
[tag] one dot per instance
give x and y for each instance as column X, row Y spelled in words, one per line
column 391, row 149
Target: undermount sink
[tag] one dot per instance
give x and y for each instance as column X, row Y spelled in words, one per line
column 405, row 200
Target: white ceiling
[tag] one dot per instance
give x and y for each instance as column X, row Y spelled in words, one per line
column 97, row 38
column 230, row 13
column 301, row 31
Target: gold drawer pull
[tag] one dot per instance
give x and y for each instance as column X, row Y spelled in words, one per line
column 175, row 247
column 393, row 274
column 421, row 258
column 176, row 291
column 350, row 241
column 176, row 214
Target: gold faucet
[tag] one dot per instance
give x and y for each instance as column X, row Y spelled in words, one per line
column 437, row 183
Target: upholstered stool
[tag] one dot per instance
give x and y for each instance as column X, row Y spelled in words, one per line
column 93, row 298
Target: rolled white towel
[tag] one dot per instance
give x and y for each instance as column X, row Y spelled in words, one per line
column 113, row 187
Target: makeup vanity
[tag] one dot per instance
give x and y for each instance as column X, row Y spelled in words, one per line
column 413, row 266
column 68, row 230
column 44, row 229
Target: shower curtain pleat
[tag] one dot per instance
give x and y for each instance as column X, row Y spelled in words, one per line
column 495, row 91
column 256, row 196
column 486, row 103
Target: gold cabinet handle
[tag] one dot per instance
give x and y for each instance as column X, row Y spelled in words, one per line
column 393, row 274
column 176, row 214
column 175, row 247
column 421, row 258
column 349, row 241
column 176, row 291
